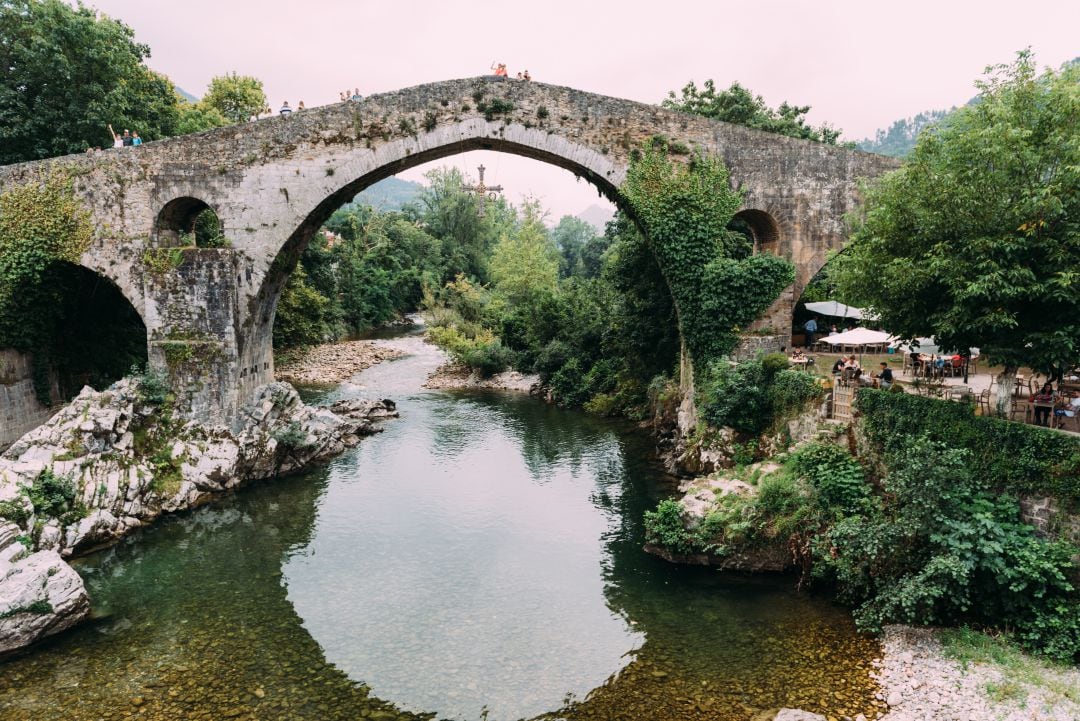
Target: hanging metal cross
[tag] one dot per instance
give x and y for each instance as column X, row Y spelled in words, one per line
column 483, row 192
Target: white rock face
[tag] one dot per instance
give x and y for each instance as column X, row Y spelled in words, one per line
column 790, row 714
column 128, row 463
column 40, row 595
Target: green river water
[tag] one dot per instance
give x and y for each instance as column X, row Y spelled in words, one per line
column 480, row 559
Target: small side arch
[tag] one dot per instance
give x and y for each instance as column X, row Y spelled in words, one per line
column 761, row 227
column 184, row 221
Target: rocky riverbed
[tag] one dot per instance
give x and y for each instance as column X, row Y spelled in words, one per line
column 334, row 363
column 115, row 460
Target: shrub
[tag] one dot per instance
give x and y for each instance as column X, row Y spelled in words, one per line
column 291, row 436
column 664, row 527
column 836, row 476
column 152, row 383
column 54, row 496
column 14, row 511
column 1013, row 457
column 551, row 358
column 489, row 358
column 941, row 550
column 754, row 395
column 734, row 396
column 791, row 391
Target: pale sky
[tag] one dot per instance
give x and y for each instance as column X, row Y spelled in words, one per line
column 860, row 64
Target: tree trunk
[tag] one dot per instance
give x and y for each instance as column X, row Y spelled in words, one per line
column 1006, row 382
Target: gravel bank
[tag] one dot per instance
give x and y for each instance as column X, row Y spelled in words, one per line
column 452, row 375
column 334, row 362
column 920, row 683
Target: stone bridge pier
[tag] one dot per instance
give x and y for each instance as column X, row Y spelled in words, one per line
column 272, row 183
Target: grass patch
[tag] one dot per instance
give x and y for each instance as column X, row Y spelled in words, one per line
column 1019, row 670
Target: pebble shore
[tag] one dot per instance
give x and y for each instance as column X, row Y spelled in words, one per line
column 920, row 683
column 334, row 363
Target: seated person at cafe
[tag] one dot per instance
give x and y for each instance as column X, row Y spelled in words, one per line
column 1043, row 401
column 916, row 360
column 838, row 366
column 1068, row 407
column 797, row 354
column 885, row 377
column 852, row 369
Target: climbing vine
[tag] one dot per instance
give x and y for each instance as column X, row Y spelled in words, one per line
column 44, row 230
column 718, row 286
column 39, row 225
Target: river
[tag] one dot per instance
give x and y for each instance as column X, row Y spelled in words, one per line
column 480, row 559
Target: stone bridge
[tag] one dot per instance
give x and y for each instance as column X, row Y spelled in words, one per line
column 209, row 313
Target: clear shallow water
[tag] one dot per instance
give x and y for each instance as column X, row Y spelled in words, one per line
column 481, row 556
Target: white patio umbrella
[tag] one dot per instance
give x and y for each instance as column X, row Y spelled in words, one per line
column 861, row 337
column 858, row 336
column 836, row 309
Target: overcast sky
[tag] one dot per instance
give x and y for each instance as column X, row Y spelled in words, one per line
column 860, row 64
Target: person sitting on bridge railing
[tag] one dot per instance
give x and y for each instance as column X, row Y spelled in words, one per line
column 285, row 109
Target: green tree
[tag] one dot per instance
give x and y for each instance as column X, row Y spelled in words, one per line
column 236, row 97
column 571, row 236
column 450, row 214
column 740, row 106
column 302, row 314
column 67, row 74
column 525, row 263
column 197, row 117
column 976, row 240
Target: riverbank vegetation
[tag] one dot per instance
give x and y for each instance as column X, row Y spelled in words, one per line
column 921, row 528
column 919, row 521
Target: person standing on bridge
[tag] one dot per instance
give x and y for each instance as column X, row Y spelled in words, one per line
column 285, row 109
column 135, row 139
column 117, row 140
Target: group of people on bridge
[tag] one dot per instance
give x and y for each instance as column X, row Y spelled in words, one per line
column 127, row 140
column 499, row 69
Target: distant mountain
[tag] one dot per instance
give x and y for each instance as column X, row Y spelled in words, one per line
column 390, row 194
column 597, row 216
column 185, row 94
column 899, row 140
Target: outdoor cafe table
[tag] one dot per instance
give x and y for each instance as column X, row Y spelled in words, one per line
column 800, row 363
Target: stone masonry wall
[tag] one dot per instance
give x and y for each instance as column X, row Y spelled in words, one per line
column 20, row 410
column 1050, row 519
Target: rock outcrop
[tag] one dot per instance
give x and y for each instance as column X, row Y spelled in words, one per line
column 113, row 461
column 40, row 594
